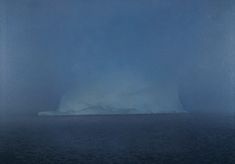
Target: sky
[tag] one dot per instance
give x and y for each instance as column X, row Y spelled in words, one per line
column 52, row 50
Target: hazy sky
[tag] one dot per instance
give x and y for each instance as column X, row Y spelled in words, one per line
column 52, row 46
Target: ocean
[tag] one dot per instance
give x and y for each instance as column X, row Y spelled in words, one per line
column 158, row 138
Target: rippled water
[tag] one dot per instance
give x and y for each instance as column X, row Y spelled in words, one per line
column 162, row 138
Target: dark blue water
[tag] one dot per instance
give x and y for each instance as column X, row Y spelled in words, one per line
column 137, row 139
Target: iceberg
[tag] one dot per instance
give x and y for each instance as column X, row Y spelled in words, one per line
column 119, row 93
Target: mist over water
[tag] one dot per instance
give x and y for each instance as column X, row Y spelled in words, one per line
column 142, row 81
column 81, row 57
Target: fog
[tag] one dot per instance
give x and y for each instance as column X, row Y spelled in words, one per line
column 115, row 57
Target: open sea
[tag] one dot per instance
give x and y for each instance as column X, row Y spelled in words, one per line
column 118, row 139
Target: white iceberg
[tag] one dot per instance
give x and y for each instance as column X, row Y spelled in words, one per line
column 120, row 94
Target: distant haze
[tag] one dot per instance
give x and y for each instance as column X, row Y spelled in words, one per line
column 128, row 56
